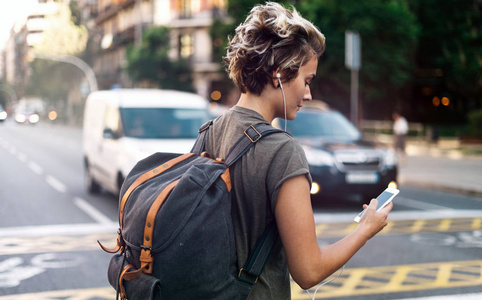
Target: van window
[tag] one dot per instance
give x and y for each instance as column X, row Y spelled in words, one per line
column 163, row 123
column 112, row 120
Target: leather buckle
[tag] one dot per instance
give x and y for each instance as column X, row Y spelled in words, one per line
column 244, row 276
column 254, row 139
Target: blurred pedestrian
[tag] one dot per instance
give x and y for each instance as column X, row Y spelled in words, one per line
column 272, row 59
column 400, row 130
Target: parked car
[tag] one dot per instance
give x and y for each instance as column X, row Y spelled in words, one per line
column 341, row 162
column 25, row 115
column 123, row 126
column 3, row 114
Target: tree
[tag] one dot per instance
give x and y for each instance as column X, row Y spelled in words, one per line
column 388, row 32
column 450, row 45
column 150, row 62
column 63, row 36
column 52, row 80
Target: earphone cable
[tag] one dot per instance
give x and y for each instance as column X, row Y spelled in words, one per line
column 283, row 93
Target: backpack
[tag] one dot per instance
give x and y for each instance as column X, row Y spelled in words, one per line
column 176, row 236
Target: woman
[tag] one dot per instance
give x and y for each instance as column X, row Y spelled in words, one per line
column 272, row 59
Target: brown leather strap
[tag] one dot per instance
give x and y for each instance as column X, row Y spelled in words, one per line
column 126, row 269
column 121, row 245
column 113, row 250
column 146, row 176
column 146, row 257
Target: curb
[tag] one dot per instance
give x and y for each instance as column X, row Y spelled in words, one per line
column 440, row 188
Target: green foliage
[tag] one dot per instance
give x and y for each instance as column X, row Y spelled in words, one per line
column 475, row 122
column 51, row 80
column 55, row 87
column 451, row 40
column 150, row 62
column 62, row 35
column 388, row 33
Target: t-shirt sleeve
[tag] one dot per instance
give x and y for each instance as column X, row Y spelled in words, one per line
column 288, row 161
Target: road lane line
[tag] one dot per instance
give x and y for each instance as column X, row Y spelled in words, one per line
column 402, row 215
column 449, row 297
column 22, row 157
column 59, row 229
column 37, row 169
column 56, row 184
column 92, row 212
column 418, row 204
column 381, row 280
column 106, row 293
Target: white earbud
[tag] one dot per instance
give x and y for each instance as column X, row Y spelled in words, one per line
column 278, row 75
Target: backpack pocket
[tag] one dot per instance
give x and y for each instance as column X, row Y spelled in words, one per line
column 144, row 287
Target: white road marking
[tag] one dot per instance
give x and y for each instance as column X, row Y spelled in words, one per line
column 106, row 293
column 37, row 169
column 60, row 229
column 419, row 204
column 19, row 271
column 93, row 212
column 22, row 157
column 56, row 184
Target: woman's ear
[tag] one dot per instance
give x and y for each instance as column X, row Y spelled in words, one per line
column 276, row 78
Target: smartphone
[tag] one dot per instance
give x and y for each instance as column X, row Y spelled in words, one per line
column 383, row 199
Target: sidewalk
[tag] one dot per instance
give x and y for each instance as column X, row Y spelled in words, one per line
column 441, row 168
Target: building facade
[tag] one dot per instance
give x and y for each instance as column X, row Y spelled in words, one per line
column 121, row 22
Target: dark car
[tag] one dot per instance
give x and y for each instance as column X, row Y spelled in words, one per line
column 342, row 163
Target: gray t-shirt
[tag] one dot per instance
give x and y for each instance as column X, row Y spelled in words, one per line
column 256, row 179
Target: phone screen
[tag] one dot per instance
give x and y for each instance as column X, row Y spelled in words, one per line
column 382, row 199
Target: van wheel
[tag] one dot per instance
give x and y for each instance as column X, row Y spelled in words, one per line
column 91, row 185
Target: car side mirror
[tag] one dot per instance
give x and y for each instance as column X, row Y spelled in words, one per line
column 109, row 134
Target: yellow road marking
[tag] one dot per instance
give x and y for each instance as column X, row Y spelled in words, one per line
column 21, row 245
column 330, row 230
column 401, row 278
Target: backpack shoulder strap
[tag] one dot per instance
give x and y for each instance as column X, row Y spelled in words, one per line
column 252, row 134
column 258, row 257
column 201, row 140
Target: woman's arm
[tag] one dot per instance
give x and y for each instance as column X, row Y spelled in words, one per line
column 308, row 263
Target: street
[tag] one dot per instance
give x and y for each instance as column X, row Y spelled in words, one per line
column 49, row 227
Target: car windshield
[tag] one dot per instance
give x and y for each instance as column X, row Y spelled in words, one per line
column 163, row 123
column 329, row 125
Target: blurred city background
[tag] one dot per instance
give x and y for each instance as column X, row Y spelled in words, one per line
column 422, row 58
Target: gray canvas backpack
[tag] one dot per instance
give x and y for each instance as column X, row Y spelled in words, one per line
column 176, row 237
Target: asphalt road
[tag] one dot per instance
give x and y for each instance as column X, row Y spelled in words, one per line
column 49, row 227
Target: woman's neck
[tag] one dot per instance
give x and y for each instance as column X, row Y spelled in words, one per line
column 258, row 103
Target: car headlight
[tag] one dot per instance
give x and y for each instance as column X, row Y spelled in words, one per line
column 318, row 157
column 34, row 118
column 390, row 157
column 20, row 118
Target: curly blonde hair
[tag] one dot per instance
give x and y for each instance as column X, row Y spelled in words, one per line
column 272, row 38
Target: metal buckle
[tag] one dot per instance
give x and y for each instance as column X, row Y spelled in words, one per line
column 247, row 276
column 257, row 132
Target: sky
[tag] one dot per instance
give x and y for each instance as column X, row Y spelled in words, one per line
column 10, row 11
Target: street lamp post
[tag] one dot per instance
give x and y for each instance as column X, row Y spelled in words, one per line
column 83, row 66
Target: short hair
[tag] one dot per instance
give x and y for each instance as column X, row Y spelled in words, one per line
column 271, row 38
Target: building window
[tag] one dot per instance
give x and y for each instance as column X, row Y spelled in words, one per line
column 186, row 11
column 186, row 45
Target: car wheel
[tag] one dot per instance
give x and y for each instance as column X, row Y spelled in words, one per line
column 91, row 185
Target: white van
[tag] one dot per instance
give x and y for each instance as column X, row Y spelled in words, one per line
column 123, row 126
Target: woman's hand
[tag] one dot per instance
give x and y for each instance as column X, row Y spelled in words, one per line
column 373, row 221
